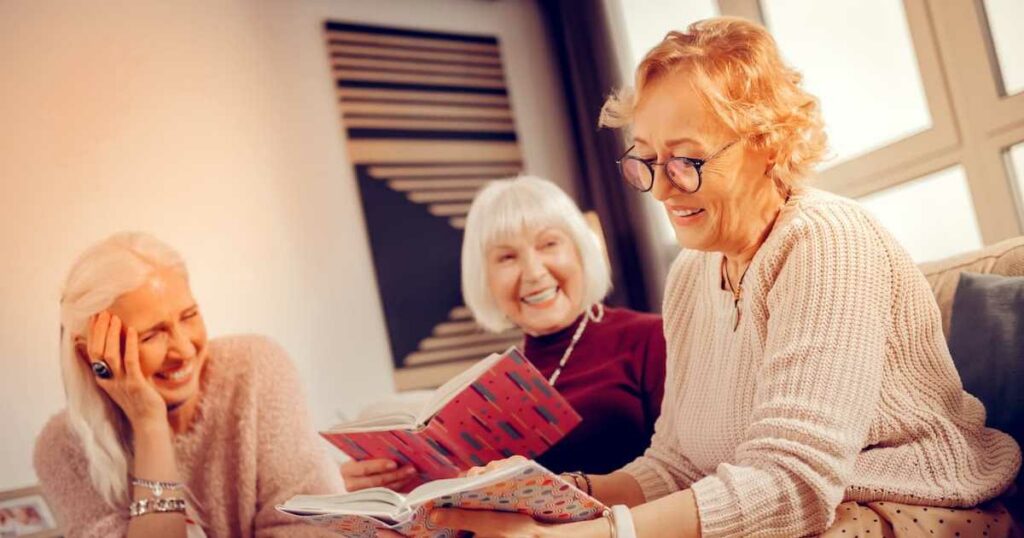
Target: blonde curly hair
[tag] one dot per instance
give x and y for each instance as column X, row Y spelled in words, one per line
column 737, row 66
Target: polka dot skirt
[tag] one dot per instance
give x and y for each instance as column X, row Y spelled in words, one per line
column 895, row 520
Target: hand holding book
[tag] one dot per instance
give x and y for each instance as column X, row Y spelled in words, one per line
column 500, row 407
column 513, row 487
column 377, row 473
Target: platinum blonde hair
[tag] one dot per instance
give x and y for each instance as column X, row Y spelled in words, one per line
column 507, row 208
column 105, row 271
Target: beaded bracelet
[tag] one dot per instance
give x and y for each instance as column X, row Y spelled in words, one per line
column 590, row 485
column 142, row 507
column 579, row 475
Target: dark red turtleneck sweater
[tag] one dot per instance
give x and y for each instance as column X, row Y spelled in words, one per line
column 614, row 378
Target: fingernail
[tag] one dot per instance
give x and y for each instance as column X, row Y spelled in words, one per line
column 392, row 466
column 435, row 517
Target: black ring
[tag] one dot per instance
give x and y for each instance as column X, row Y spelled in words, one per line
column 102, row 370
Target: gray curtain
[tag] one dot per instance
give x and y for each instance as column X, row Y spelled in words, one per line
column 579, row 32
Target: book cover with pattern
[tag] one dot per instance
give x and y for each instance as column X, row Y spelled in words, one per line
column 509, row 409
column 527, row 488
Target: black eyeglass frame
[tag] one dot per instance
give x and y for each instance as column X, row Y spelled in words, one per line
column 696, row 163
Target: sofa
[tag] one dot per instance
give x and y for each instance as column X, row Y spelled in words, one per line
column 1004, row 258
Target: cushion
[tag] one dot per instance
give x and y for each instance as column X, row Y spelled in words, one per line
column 987, row 343
column 1003, row 258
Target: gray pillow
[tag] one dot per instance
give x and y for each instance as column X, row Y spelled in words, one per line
column 987, row 343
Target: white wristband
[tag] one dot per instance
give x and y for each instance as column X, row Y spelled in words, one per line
column 623, row 520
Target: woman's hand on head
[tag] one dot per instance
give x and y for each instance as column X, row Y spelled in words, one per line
column 127, row 386
column 376, row 473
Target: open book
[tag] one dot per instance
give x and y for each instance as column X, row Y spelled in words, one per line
column 500, row 407
column 525, row 487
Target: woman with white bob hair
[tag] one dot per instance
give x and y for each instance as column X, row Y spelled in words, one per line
column 167, row 433
column 530, row 261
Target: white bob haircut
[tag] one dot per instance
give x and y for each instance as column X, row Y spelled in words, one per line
column 509, row 207
column 105, row 271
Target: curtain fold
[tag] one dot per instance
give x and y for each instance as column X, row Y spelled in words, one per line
column 581, row 38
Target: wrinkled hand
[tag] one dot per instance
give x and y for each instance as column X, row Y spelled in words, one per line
column 495, row 465
column 131, row 391
column 376, row 473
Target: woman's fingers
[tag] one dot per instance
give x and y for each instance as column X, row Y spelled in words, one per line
column 387, row 480
column 97, row 335
column 495, row 465
column 131, row 355
column 112, row 347
column 484, row 522
column 367, row 467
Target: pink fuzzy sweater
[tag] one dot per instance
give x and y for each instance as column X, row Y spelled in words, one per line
column 251, row 447
column 837, row 384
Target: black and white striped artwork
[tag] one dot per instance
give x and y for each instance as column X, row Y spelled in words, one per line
column 428, row 122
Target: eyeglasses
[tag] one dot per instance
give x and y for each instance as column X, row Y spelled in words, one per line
column 683, row 172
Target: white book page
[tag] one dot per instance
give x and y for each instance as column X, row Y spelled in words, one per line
column 445, row 393
column 389, row 421
column 448, row 486
column 374, row 502
column 410, row 421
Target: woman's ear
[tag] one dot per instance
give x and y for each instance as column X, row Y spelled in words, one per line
column 770, row 164
column 81, row 350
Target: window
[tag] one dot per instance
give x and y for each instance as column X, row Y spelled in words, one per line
column 646, row 23
column 932, row 217
column 908, row 88
column 876, row 97
column 1015, row 164
column 1004, row 18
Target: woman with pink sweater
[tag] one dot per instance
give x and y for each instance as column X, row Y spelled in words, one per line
column 809, row 388
column 167, row 433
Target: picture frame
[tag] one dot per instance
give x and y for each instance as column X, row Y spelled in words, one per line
column 25, row 513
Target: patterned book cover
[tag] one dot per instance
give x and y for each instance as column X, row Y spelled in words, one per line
column 532, row 490
column 511, row 409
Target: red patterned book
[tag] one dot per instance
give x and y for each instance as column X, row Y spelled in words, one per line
column 500, row 407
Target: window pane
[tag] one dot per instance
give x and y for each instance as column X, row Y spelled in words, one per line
column 648, row 21
column 1004, row 20
column 870, row 88
column 1015, row 162
column 932, row 217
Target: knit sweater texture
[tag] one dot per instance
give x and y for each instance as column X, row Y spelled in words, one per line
column 836, row 385
column 250, row 447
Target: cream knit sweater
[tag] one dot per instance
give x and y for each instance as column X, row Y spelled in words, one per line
column 837, row 384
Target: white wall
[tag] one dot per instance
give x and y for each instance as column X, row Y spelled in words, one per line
column 214, row 126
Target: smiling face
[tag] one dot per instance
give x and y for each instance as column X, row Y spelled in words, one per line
column 536, row 279
column 172, row 335
column 726, row 214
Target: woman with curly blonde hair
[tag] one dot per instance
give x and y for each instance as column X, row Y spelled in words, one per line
column 809, row 388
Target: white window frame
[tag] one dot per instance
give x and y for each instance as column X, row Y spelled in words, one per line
column 972, row 123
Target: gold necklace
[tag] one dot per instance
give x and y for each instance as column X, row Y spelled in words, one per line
column 576, row 338
column 737, row 292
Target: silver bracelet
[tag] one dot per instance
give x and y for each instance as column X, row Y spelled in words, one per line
column 157, row 487
column 142, row 507
column 607, row 514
